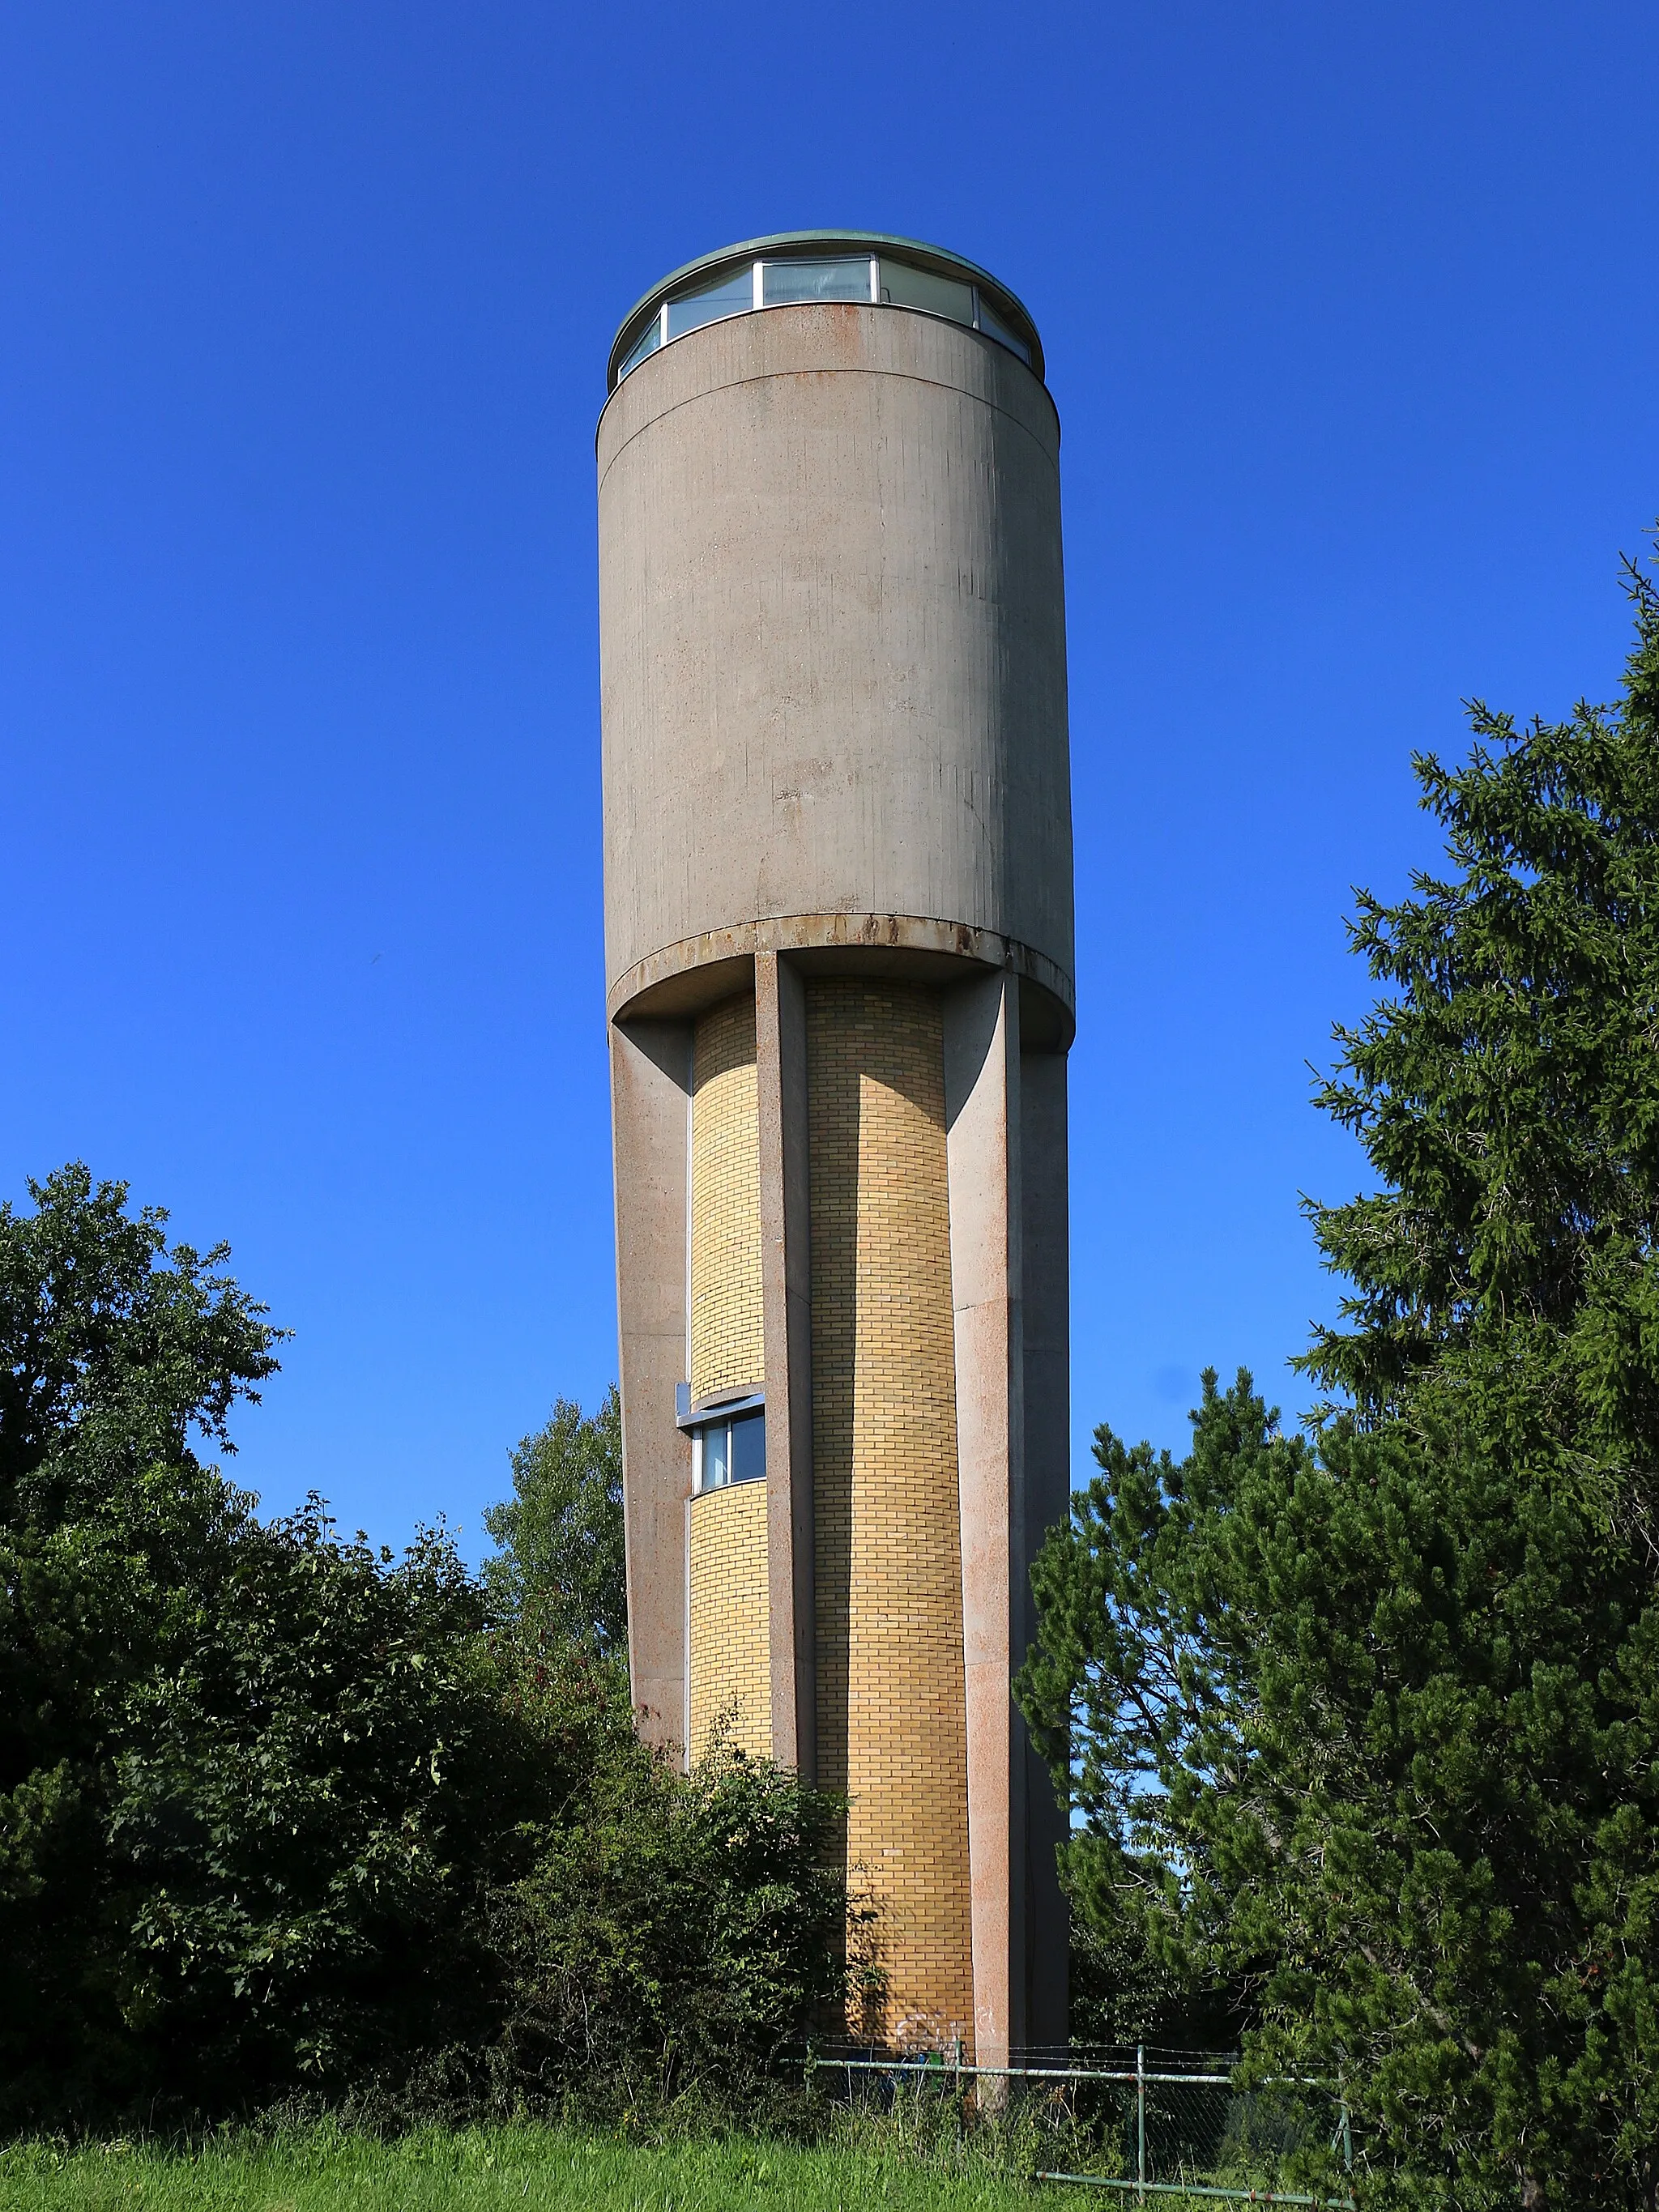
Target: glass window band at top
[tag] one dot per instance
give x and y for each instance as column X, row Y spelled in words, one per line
column 873, row 279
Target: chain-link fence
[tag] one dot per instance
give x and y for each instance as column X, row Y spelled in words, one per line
column 1154, row 2126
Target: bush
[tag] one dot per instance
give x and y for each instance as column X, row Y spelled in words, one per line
column 280, row 1813
column 685, row 1930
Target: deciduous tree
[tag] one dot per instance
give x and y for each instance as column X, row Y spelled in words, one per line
column 559, row 1563
column 279, row 1810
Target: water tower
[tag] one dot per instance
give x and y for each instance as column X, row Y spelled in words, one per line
column 838, row 957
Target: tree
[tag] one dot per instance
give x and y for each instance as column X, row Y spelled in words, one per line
column 311, row 1802
column 257, row 1783
column 113, row 1352
column 559, row 1561
column 1365, row 1723
column 280, row 1811
column 1506, row 1092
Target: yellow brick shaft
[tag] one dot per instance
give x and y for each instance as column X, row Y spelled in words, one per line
column 726, row 1269
column 731, row 1672
column 728, row 1661
column 891, row 1732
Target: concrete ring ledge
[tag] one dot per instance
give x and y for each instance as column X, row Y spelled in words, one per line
column 680, row 978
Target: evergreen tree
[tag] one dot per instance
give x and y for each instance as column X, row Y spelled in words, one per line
column 1365, row 1723
column 1506, row 1092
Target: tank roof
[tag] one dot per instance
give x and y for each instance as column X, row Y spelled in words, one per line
column 784, row 245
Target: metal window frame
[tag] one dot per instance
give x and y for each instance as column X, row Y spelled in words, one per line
column 800, row 246
column 722, row 1405
column 714, row 1412
column 782, row 261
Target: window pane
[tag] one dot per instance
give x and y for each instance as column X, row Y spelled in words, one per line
column 716, row 1458
column 731, row 294
column 994, row 328
column 903, row 287
column 696, row 1461
column 647, row 342
column 784, row 280
column 748, row 1448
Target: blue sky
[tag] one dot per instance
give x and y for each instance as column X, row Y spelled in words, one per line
column 1351, row 314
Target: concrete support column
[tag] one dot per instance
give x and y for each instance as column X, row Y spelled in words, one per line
column 787, row 1332
column 983, row 1116
column 1045, row 1241
column 650, row 1091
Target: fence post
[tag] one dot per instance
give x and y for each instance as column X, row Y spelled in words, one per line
column 1141, row 2123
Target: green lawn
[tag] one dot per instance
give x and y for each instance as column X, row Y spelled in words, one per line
column 496, row 2170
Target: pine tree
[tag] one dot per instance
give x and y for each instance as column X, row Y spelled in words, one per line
column 1364, row 1723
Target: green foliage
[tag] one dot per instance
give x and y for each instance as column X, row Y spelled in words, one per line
column 1506, row 1092
column 1368, row 1730
column 276, row 1812
column 684, row 1927
column 559, row 1566
column 1364, row 1723
column 310, row 1802
column 114, row 1349
column 257, row 1781
column 686, row 1931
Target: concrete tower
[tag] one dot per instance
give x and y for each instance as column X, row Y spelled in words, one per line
column 838, row 956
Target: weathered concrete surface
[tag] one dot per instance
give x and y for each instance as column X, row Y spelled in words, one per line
column 684, row 978
column 832, row 633
column 787, row 1324
column 981, row 1104
column 650, row 1086
column 1046, row 1277
column 1006, row 1113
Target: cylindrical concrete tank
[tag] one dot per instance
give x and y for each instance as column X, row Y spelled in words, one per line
column 833, row 644
column 839, row 954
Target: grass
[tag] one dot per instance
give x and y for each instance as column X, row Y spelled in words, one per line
column 506, row 2169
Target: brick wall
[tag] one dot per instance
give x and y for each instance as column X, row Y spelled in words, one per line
column 728, row 1666
column 731, row 1671
column 726, row 1270
column 888, row 1552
